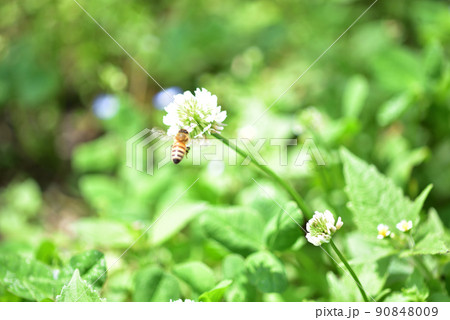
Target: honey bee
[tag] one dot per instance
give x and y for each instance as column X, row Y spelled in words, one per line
column 179, row 148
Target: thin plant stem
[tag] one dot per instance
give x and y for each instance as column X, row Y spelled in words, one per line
column 298, row 199
column 286, row 186
column 352, row 273
column 424, row 268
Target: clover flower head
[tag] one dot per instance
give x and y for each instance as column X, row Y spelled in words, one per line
column 383, row 231
column 198, row 113
column 321, row 227
column 404, row 225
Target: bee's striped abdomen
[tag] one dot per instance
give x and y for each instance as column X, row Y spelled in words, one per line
column 178, row 152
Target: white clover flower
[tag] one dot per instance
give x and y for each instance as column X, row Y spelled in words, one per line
column 199, row 114
column 321, row 227
column 404, row 225
column 383, row 231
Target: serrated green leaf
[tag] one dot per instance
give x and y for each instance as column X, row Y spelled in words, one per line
column 355, row 94
column 27, row 278
column 154, row 284
column 415, row 287
column 431, row 237
column 215, row 294
column 374, row 198
column 266, row 272
column 198, row 275
column 363, row 250
column 78, row 290
column 91, row 266
column 372, row 275
column 431, row 244
column 238, row 229
column 282, row 232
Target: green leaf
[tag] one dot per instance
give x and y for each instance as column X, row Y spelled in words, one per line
column 251, row 197
column 397, row 69
column 47, row 253
column 175, row 219
column 266, row 272
column 197, row 274
column 216, row 294
column 101, row 154
column 24, row 197
column 394, row 108
column 374, row 198
column 431, row 237
column 282, row 232
column 238, row 229
column 153, row 284
column 102, row 192
column 103, row 233
column 400, row 168
column 27, row 278
column 372, row 275
column 241, row 291
column 355, row 95
column 415, row 288
column 363, row 250
column 78, row 290
column 342, row 289
column 91, row 265
column 431, row 244
column 233, row 266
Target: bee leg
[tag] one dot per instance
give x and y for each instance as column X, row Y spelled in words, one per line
column 187, row 151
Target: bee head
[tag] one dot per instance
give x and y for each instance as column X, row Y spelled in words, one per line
column 184, row 131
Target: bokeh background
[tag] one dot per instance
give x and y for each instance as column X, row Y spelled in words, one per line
column 70, row 98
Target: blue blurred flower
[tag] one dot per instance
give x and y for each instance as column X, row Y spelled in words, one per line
column 163, row 98
column 105, row 106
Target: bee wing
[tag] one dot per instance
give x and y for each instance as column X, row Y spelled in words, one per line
column 161, row 134
column 200, row 142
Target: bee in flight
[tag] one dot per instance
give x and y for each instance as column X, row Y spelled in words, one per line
column 179, row 148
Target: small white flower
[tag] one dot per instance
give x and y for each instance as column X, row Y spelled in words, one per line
column 181, row 300
column 339, row 223
column 199, row 114
column 383, row 231
column 321, row 227
column 404, row 225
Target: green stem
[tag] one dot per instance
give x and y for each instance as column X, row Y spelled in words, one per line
column 424, row 268
column 352, row 273
column 298, row 199
column 418, row 260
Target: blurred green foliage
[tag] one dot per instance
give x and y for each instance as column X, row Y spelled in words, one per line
column 69, row 207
